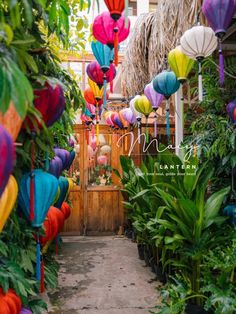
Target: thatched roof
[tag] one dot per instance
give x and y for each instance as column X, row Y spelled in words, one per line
column 153, row 36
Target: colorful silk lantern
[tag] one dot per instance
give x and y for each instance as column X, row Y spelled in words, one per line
column 110, row 32
column 102, row 160
column 50, row 102
column 116, row 120
column 7, row 200
column 143, row 105
column 56, row 166
column 72, row 157
column 116, row 8
column 64, row 155
column 90, row 97
column 128, row 115
column 64, row 186
column 11, row 121
column 45, row 190
column 101, row 76
column 103, row 54
column 231, row 109
column 219, row 14
column 166, row 83
column 105, row 150
column 180, row 64
column 155, row 99
column 7, row 153
column 66, row 209
column 198, row 43
column 123, row 120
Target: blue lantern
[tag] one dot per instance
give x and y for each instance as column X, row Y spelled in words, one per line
column 166, row 83
column 103, row 54
column 64, row 186
column 45, row 190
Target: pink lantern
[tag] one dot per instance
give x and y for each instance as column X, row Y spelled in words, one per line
column 102, row 160
column 96, row 74
column 110, row 32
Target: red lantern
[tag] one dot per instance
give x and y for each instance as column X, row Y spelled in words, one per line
column 90, row 98
column 116, row 7
column 110, row 32
column 65, row 208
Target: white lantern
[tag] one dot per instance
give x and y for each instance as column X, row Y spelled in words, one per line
column 198, row 43
column 106, row 149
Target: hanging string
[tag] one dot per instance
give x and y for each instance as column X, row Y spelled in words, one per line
column 221, row 64
column 32, row 181
column 168, row 119
column 104, row 91
column 116, row 45
column 38, row 258
column 182, row 103
column 155, row 125
column 200, row 88
column 97, row 123
column 42, row 286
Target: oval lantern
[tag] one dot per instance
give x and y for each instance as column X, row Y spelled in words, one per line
column 66, row 209
column 56, row 166
column 166, row 83
column 7, row 200
column 45, row 190
column 116, row 120
column 52, row 216
column 231, row 109
column 155, row 99
column 90, row 97
column 198, row 43
column 110, row 32
column 137, row 114
column 219, row 14
column 50, row 102
column 122, row 119
column 143, row 105
column 105, row 150
column 64, row 155
column 11, row 121
column 72, row 157
column 103, row 54
column 102, row 160
column 7, row 153
column 128, row 116
column 12, row 294
column 98, row 92
column 115, row 8
column 64, row 186
column 180, row 64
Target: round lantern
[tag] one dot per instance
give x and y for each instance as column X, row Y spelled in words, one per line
column 143, row 105
column 116, row 8
column 64, row 186
column 103, row 54
column 7, row 200
column 219, row 14
column 90, row 97
column 56, row 166
column 180, row 64
column 110, row 32
column 64, row 155
column 105, row 150
column 155, row 99
column 198, row 43
column 102, row 160
column 45, row 189
column 66, row 209
column 7, row 153
column 166, row 83
column 11, row 121
column 128, row 116
column 137, row 114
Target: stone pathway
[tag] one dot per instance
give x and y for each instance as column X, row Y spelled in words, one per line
column 102, row 275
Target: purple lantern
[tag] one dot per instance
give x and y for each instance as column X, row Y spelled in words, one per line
column 56, row 167
column 71, row 142
column 64, row 155
column 129, row 116
column 7, row 153
column 231, row 109
column 155, row 99
column 219, row 14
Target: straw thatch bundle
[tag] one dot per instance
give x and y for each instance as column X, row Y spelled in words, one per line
column 154, row 35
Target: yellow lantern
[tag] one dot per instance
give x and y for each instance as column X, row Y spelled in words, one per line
column 143, row 105
column 7, row 201
column 71, row 185
column 97, row 91
column 180, row 63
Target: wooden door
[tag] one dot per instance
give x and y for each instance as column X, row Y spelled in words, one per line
column 96, row 202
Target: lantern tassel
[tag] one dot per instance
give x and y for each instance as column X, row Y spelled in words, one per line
column 155, row 125
column 104, row 92
column 116, row 46
column 97, row 124
column 200, row 87
column 139, row 131
column 168, row 120
column 42, row 286
column 221, row 64
column 32, row 192
column 38, row 259
column 126, row 13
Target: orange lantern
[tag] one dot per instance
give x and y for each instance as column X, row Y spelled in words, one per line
column 11, row 121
